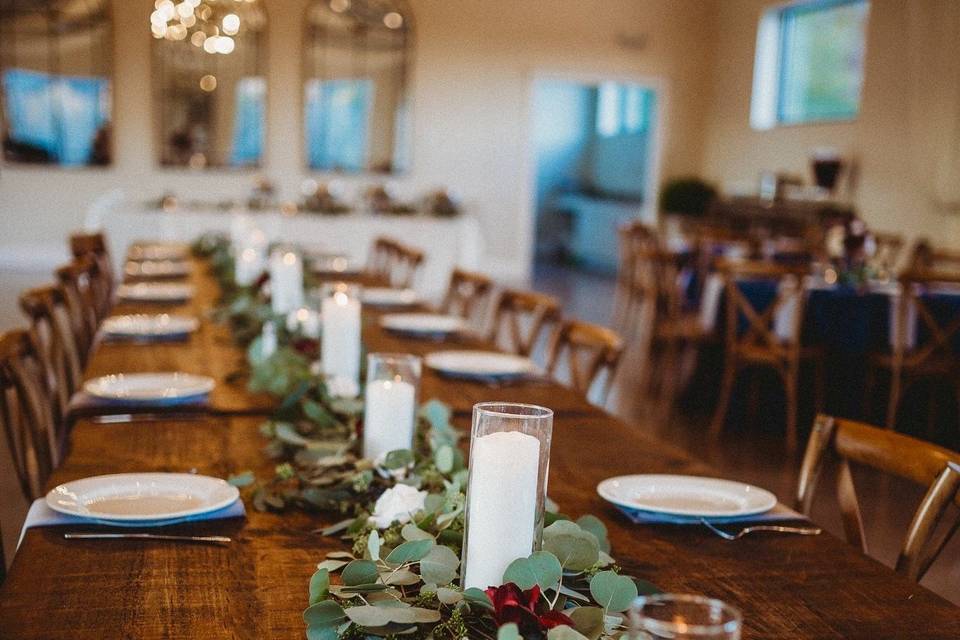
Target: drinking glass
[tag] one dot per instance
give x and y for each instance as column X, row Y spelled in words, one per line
column 669, row 616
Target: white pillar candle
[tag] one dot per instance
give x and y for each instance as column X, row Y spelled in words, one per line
column 502, row 505
column 286, row 282
column 305, row 320
column 389, row 410
column 248, row 266
column 340, row 348
column 240, row 226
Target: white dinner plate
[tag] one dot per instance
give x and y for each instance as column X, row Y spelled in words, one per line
column 142, row 325
column 157, row 269
column 481, row 364
column 388, row 297
column 423, row 323
column 155, row 292
column 132, row 497
column 158, row 251
column 175, row 387
column 686, row 496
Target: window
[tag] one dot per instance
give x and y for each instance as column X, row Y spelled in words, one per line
column 248, row 122
column 809, row 65
column 623, row 109
column 338, row 116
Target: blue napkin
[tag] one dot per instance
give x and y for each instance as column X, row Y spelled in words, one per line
column 41, row 515
column 639, row 516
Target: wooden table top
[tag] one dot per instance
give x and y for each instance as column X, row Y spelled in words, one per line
column 786, row 586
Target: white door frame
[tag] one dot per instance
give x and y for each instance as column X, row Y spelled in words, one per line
column 657, row 84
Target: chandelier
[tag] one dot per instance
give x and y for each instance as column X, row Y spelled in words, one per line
column 211, row 25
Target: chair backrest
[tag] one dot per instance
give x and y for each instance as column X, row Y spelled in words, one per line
column 939, row 321
column 516, row 308
column 590, row 350
column 95, row 245
column 77, row 279
column 466, row 293
column 50, row 323
column 393, row 263
column 634, row 239
column 773, row 318
column 25, row 413
column 884, row 450
column 927, row 257
column 888, row 249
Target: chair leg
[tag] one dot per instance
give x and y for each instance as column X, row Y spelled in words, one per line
column 895, row 383
column 819, row 385
column 723, row 403
column 790, row 386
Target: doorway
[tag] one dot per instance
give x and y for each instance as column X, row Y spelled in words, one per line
column 595, row 156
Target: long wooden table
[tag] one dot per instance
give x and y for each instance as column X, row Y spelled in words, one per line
column 786, row 586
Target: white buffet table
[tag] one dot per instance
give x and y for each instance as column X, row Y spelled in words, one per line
column 446, row 242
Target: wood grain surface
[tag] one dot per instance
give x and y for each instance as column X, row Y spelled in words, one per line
column 787, row 586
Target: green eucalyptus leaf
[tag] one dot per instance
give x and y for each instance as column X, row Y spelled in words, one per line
column 576, row 548
column 360, row 572
column 332, row 565
column 588, row 621
column 564, row 632
column 443, row 458
column 440, row 565
column 403, row 577
column 612, row 591
column 373, row 545
column 324, row 613
column 241, row 480
column 541, row 568
column 477, row 596
column 411, row 531
column 319, row 586
column 449, row 596
column 509, row 631
column 318, row 414
column 594, row 525
column 398, row 459
column 410, row 551
column 645, row 588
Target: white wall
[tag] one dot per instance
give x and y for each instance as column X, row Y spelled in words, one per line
column 908, row 122
column 474, row 65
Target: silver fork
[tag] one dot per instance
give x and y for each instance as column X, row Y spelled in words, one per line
column 771, row 528
column 147, row 536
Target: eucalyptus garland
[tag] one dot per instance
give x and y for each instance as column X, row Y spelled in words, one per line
column 403, row 514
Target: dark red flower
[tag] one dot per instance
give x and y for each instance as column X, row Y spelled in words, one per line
column 307, row 346
column 510, row 604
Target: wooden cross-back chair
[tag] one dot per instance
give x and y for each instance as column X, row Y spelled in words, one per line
column 95, row 245
column 515, row 308
column 602, row 347
column 933, row 357
column 919, row 462
column 633, row 237
column 50, row 323
column 759, row 343
column 27, row 421
column 467, row 292
column 393, row 263
column 77, row 279
column 926, row 257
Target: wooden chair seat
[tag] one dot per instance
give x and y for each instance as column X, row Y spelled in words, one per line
column 916, row 461
column 686, row 327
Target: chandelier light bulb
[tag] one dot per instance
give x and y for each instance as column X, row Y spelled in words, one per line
column 225, row 44
column 231, row 24
column 210, row 44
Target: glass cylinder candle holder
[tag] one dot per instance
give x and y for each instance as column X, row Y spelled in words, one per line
column 509, row 461
column 683, row 617
column 340, row 344
column 390, row 403
column 286, row 280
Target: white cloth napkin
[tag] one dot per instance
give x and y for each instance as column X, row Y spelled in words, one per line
column 41, row 515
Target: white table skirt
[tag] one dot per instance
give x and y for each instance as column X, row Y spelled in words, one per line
column 446, row 243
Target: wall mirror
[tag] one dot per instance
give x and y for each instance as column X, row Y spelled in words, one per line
column 55, row 76
column 356, row 68
column 209, row 84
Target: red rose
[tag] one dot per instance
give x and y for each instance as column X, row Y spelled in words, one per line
column 510, row 604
